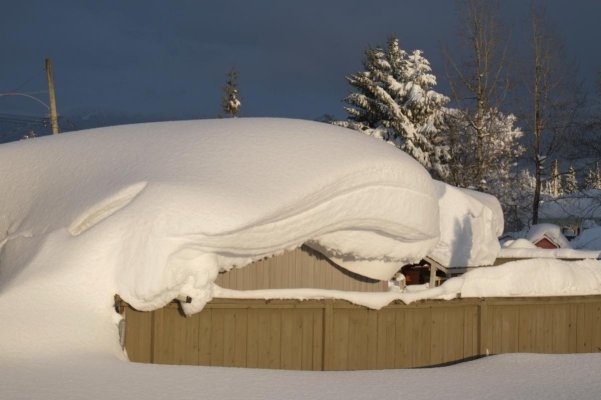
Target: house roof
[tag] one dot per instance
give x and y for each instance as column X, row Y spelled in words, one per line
column 550, row 232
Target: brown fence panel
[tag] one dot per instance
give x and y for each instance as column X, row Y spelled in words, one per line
column 335, row 335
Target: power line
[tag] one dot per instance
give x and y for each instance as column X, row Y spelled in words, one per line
column 26, row 82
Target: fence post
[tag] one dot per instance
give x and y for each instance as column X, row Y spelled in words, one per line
column 483, row 328
column 328, row 335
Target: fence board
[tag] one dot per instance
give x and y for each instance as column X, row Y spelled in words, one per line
column 205, row 323
column 455, row 334
column 340, row 346
column 596, row 328
column 139, row 341
column 175, row 338
column 403, row 335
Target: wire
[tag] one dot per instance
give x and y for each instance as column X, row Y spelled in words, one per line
column 26, row 82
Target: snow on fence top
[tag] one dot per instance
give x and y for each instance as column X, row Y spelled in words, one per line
column 168, row 205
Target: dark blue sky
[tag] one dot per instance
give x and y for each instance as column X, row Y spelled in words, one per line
column 169, row 58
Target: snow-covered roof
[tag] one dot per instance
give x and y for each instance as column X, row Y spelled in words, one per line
column 177, row 202
column 550, row 232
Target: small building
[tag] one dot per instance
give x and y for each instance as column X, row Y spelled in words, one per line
column 548, row 236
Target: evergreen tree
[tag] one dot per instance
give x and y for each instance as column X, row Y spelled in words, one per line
column 555, row 187
column 395, row 101
column 570, row 182
column 592, row 179
column 230, row 103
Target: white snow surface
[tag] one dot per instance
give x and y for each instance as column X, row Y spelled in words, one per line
column 524, row 248
column 165, row 206
column 470, row 223
column 537, row 252
column 514, row 376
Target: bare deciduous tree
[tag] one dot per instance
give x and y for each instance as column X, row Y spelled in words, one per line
column 554, row 94
column 478, row 76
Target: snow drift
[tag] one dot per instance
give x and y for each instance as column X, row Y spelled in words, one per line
column 470, row 223
column 178, row 202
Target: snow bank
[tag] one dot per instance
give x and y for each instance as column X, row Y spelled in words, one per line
column 510, row 376
column 178, row 202
column 537, row 252
column 470, row 223
column 529, row 278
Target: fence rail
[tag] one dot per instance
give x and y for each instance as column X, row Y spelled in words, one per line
column 335, row 335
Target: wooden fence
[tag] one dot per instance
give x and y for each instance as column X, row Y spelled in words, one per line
column 299, row 268
column 335, row 335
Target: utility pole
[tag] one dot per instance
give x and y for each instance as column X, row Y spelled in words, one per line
column 53, row 114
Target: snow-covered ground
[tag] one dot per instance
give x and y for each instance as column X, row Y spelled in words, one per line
column 152, row 212
column 515, row 376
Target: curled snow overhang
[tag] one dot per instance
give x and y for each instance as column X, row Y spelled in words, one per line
column 169, row 205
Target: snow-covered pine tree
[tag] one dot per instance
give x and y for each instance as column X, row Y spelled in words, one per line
column 589, row 179
column 230, row 103
column 554, row 186
column 570, row 182
column 592, row 180
column 395, row 101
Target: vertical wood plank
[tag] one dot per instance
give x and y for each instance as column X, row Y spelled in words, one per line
column 596, row 327
column 470, row 329
column 252, row 338
column 341, row 339
column 386, row 338
column 174, row 335
column 229, row 338
column 138, row 335
column 217, row 337
column 573, row 328
column 560, row 328
column 358, row 339
column 372, row 339
column 526, row 329
column 510, row 322
column 455, row 334
column 422, row 336
column 404, row 337
column 204, row 336
column 439, row 334
column 485, row 328
column 319, row 330
column 328, row 341
column 306, row 333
